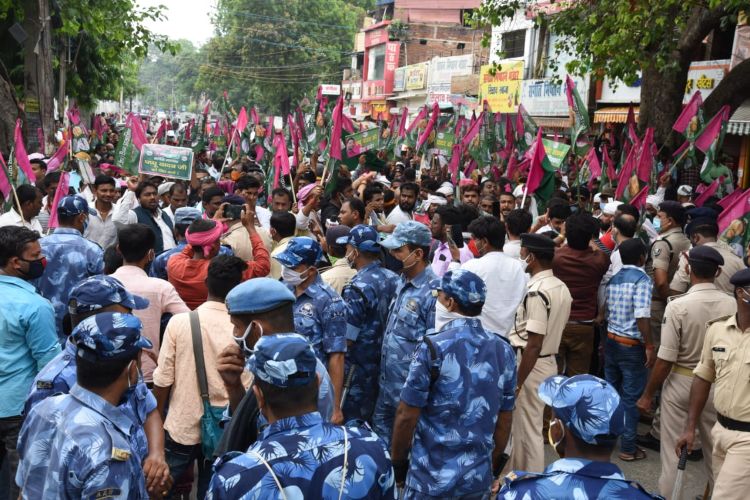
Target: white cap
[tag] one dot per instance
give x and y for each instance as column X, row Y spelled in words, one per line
column 436, row 200
column 445, row 190
column 597, row 197
column 382, row 179
column 684, row 190
column 610, row 208
column 653, row 200
column 164, row 188
column 36, row 156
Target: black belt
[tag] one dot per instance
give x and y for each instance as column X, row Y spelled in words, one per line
column 732, row 424
column 521, row 349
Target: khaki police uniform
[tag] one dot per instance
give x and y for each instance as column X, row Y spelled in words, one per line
column 681, row 280
column 544, row 311
column 725, row 361
column 665, row 255
column 682, row 334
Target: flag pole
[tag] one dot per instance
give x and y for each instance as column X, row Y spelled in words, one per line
column 525, row 191
column 229, row 149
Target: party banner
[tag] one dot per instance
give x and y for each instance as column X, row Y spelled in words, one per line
column 444, row 143
column 502, row 91
column 556, row 152
column 166, row 161
column 361, row 142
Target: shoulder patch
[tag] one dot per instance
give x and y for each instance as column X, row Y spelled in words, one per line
column 120, row 454
column 43, row 385
column 106, row 493
column 723, row 318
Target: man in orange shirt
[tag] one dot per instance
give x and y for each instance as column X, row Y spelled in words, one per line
column 188, row 269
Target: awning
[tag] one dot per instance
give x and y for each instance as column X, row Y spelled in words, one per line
column 614, row 114
column 739, row 122
column 552, row 121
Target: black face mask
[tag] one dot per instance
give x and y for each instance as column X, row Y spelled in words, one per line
column 36, row 268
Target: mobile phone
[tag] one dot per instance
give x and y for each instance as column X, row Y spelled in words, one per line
column 457, row 236
column 496, row 209
column 233, row 212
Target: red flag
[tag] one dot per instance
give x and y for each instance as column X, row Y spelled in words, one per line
column 455, row 163
column 422, row 114
column 22, row 159
column 241, row 121
column 688, row 112
column 682, row 148
column 162, row 129
column 207, row 109
column 512, row 165
column 639, row 200
column 217, row 129
column 281, row 156
column 60, row 193
column 430, row 125
column 189, row 128
column 59, row 157
column 337, row 118
column 74, row 115
column 594, row 166
column 536, row 170
column 137, row 131
column 473, row 131
column 611, row 173
column 646, row 157
column 735, row 210
column 254, row 116
column 712, row 129
column 402, row 122
column 707, row 193
column 625, row 173
column 347, row 123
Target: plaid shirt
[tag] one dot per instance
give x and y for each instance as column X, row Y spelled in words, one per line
column 628, row 299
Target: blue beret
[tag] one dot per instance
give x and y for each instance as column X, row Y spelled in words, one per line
column 186, row 215
column 283, row 360
column 258, row 295
column 300, row 250
column 109, row 335
column 363, row 237
column 72, row 205
column 97, row 292
column 589, row 406
column 408, row 233
column 465, row 287
column 741, row 278
column 703, row 253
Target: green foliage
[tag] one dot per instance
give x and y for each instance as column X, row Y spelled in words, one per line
column 161, row 73
column 272, row 53
column 620, row 38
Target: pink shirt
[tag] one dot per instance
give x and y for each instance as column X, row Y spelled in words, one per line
column 162, row 299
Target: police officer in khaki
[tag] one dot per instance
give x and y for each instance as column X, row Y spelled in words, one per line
column 704, row 231
column 540, row 320
column 725, row 362
column 682, row 333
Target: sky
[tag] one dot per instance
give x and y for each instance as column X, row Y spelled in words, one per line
column 188, row 19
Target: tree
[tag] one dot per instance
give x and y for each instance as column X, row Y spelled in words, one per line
column 83, row 49
column 656, row 39
column 164, row 75
column 270, row 53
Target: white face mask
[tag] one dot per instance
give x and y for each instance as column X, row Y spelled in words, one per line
column 292, row 277
column 350, row 259
column 524, row 262
column 443, row 316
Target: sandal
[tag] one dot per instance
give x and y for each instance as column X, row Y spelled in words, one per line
column 632, row 457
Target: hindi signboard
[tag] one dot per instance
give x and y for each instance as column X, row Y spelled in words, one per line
column 166, row 161
column 502, row 91
column 444, row 143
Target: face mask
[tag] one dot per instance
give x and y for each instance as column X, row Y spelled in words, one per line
column 657, row 224
column 554, row 443
column 85, row 224
column 131, row 385
column 745, row 299
column 350, row 259
column 242, row 341
column 443, row 316
column 405, row 267
column 524, row 262
column 36, row 268
column 292, row 277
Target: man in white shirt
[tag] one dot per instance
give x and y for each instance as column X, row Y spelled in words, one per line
column 517, row 222
column 406, row 203
column 504, row 276
column 140, row 204
column 30, row 199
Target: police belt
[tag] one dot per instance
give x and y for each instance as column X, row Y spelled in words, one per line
column 682, row 370
column 520, row 349
column 732, row 424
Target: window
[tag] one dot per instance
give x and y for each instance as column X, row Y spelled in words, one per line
column 376, row 69
column 514, row 43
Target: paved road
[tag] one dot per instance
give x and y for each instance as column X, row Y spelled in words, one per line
column 647, row 471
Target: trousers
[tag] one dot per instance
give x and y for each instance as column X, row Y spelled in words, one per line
column 675, row 401
column 528, row 443
column 576, row 347
column 731, row 454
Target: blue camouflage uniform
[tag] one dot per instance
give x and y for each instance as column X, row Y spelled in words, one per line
column 368, row 297
column 78, row 445
column 591, row 409
column 412, row 313
column 59, row 375
column 70, row 259
column 475, row 372
column 302, row 456
column 319, row 312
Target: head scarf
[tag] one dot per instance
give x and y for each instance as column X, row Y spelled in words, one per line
column 205, row 239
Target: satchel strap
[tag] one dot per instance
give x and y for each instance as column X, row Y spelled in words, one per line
column 200, row 364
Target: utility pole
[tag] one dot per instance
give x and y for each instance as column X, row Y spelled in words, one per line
column 64, row 55
column 37, row 72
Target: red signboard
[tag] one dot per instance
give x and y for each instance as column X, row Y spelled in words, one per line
column 392, row 50
column 376, row 36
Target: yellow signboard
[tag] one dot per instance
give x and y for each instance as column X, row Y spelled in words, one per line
column 502, row 91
